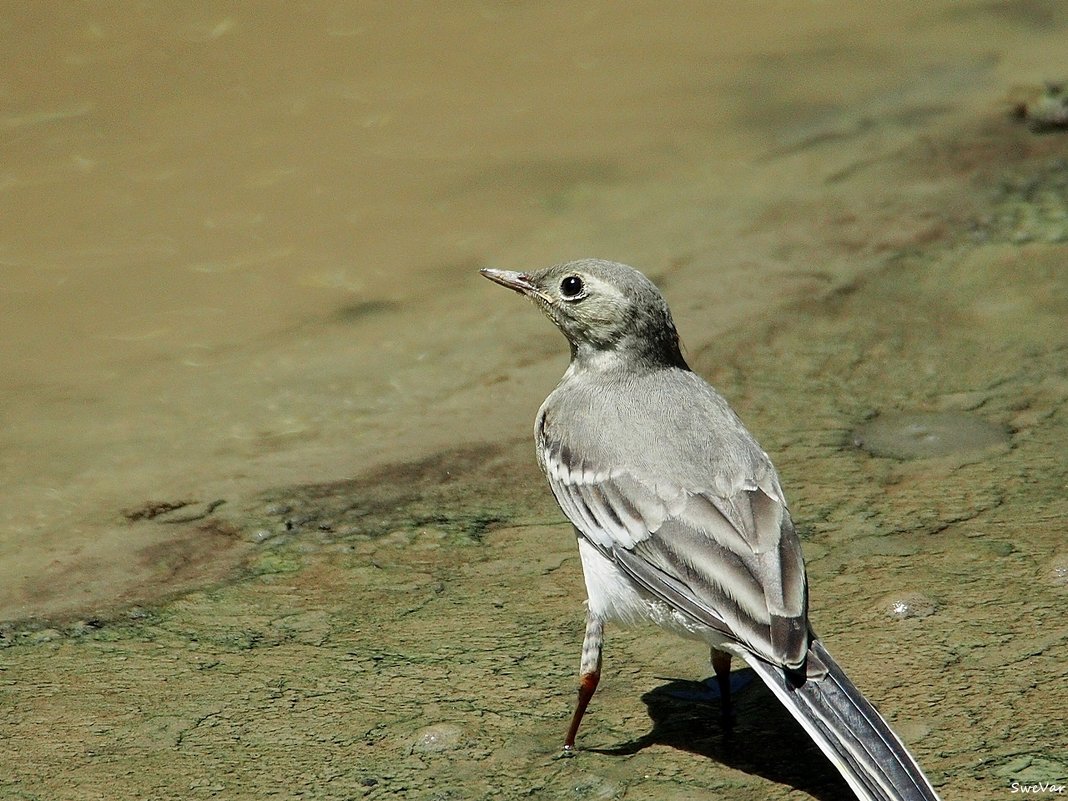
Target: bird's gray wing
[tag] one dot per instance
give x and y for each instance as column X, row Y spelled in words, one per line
column 729, row 561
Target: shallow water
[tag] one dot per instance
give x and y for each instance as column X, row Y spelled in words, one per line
column 238, row 263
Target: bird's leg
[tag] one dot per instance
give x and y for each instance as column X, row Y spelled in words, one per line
column 721, row 664
column 589, row 674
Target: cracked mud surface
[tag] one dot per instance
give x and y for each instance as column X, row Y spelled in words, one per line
column 414, row 632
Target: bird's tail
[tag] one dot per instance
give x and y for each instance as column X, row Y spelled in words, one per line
column 848, row 729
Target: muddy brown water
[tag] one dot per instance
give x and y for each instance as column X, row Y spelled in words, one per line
column 270, row 522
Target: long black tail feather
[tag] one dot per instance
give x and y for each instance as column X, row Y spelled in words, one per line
column 848, row 729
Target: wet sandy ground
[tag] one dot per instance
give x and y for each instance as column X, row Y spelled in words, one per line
column 237, row 247
column 413, row 632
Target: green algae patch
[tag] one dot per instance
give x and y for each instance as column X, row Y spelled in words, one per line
column 461, row 493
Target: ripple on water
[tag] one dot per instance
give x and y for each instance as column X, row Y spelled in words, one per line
column 924, row 435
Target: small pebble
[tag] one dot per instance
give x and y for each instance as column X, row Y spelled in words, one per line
column 905, row 605
column 438, row 737
column 596, row 787
column 922, row 435
column 1058, row 570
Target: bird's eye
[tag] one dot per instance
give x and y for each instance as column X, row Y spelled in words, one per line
column 571, row 287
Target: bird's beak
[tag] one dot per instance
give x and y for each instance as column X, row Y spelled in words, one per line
column 519, row 282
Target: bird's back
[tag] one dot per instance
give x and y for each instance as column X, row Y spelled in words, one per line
column 665, row 425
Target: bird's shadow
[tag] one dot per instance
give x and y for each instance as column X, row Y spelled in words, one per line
column 764, row 740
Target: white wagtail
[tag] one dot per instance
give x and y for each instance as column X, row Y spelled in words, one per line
column 680, row 517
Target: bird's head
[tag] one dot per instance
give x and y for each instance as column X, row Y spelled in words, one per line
column 604, row 309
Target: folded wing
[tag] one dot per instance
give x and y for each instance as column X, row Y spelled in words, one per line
column 729, row 561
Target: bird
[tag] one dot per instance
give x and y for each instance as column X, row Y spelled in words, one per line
column 681, row 520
